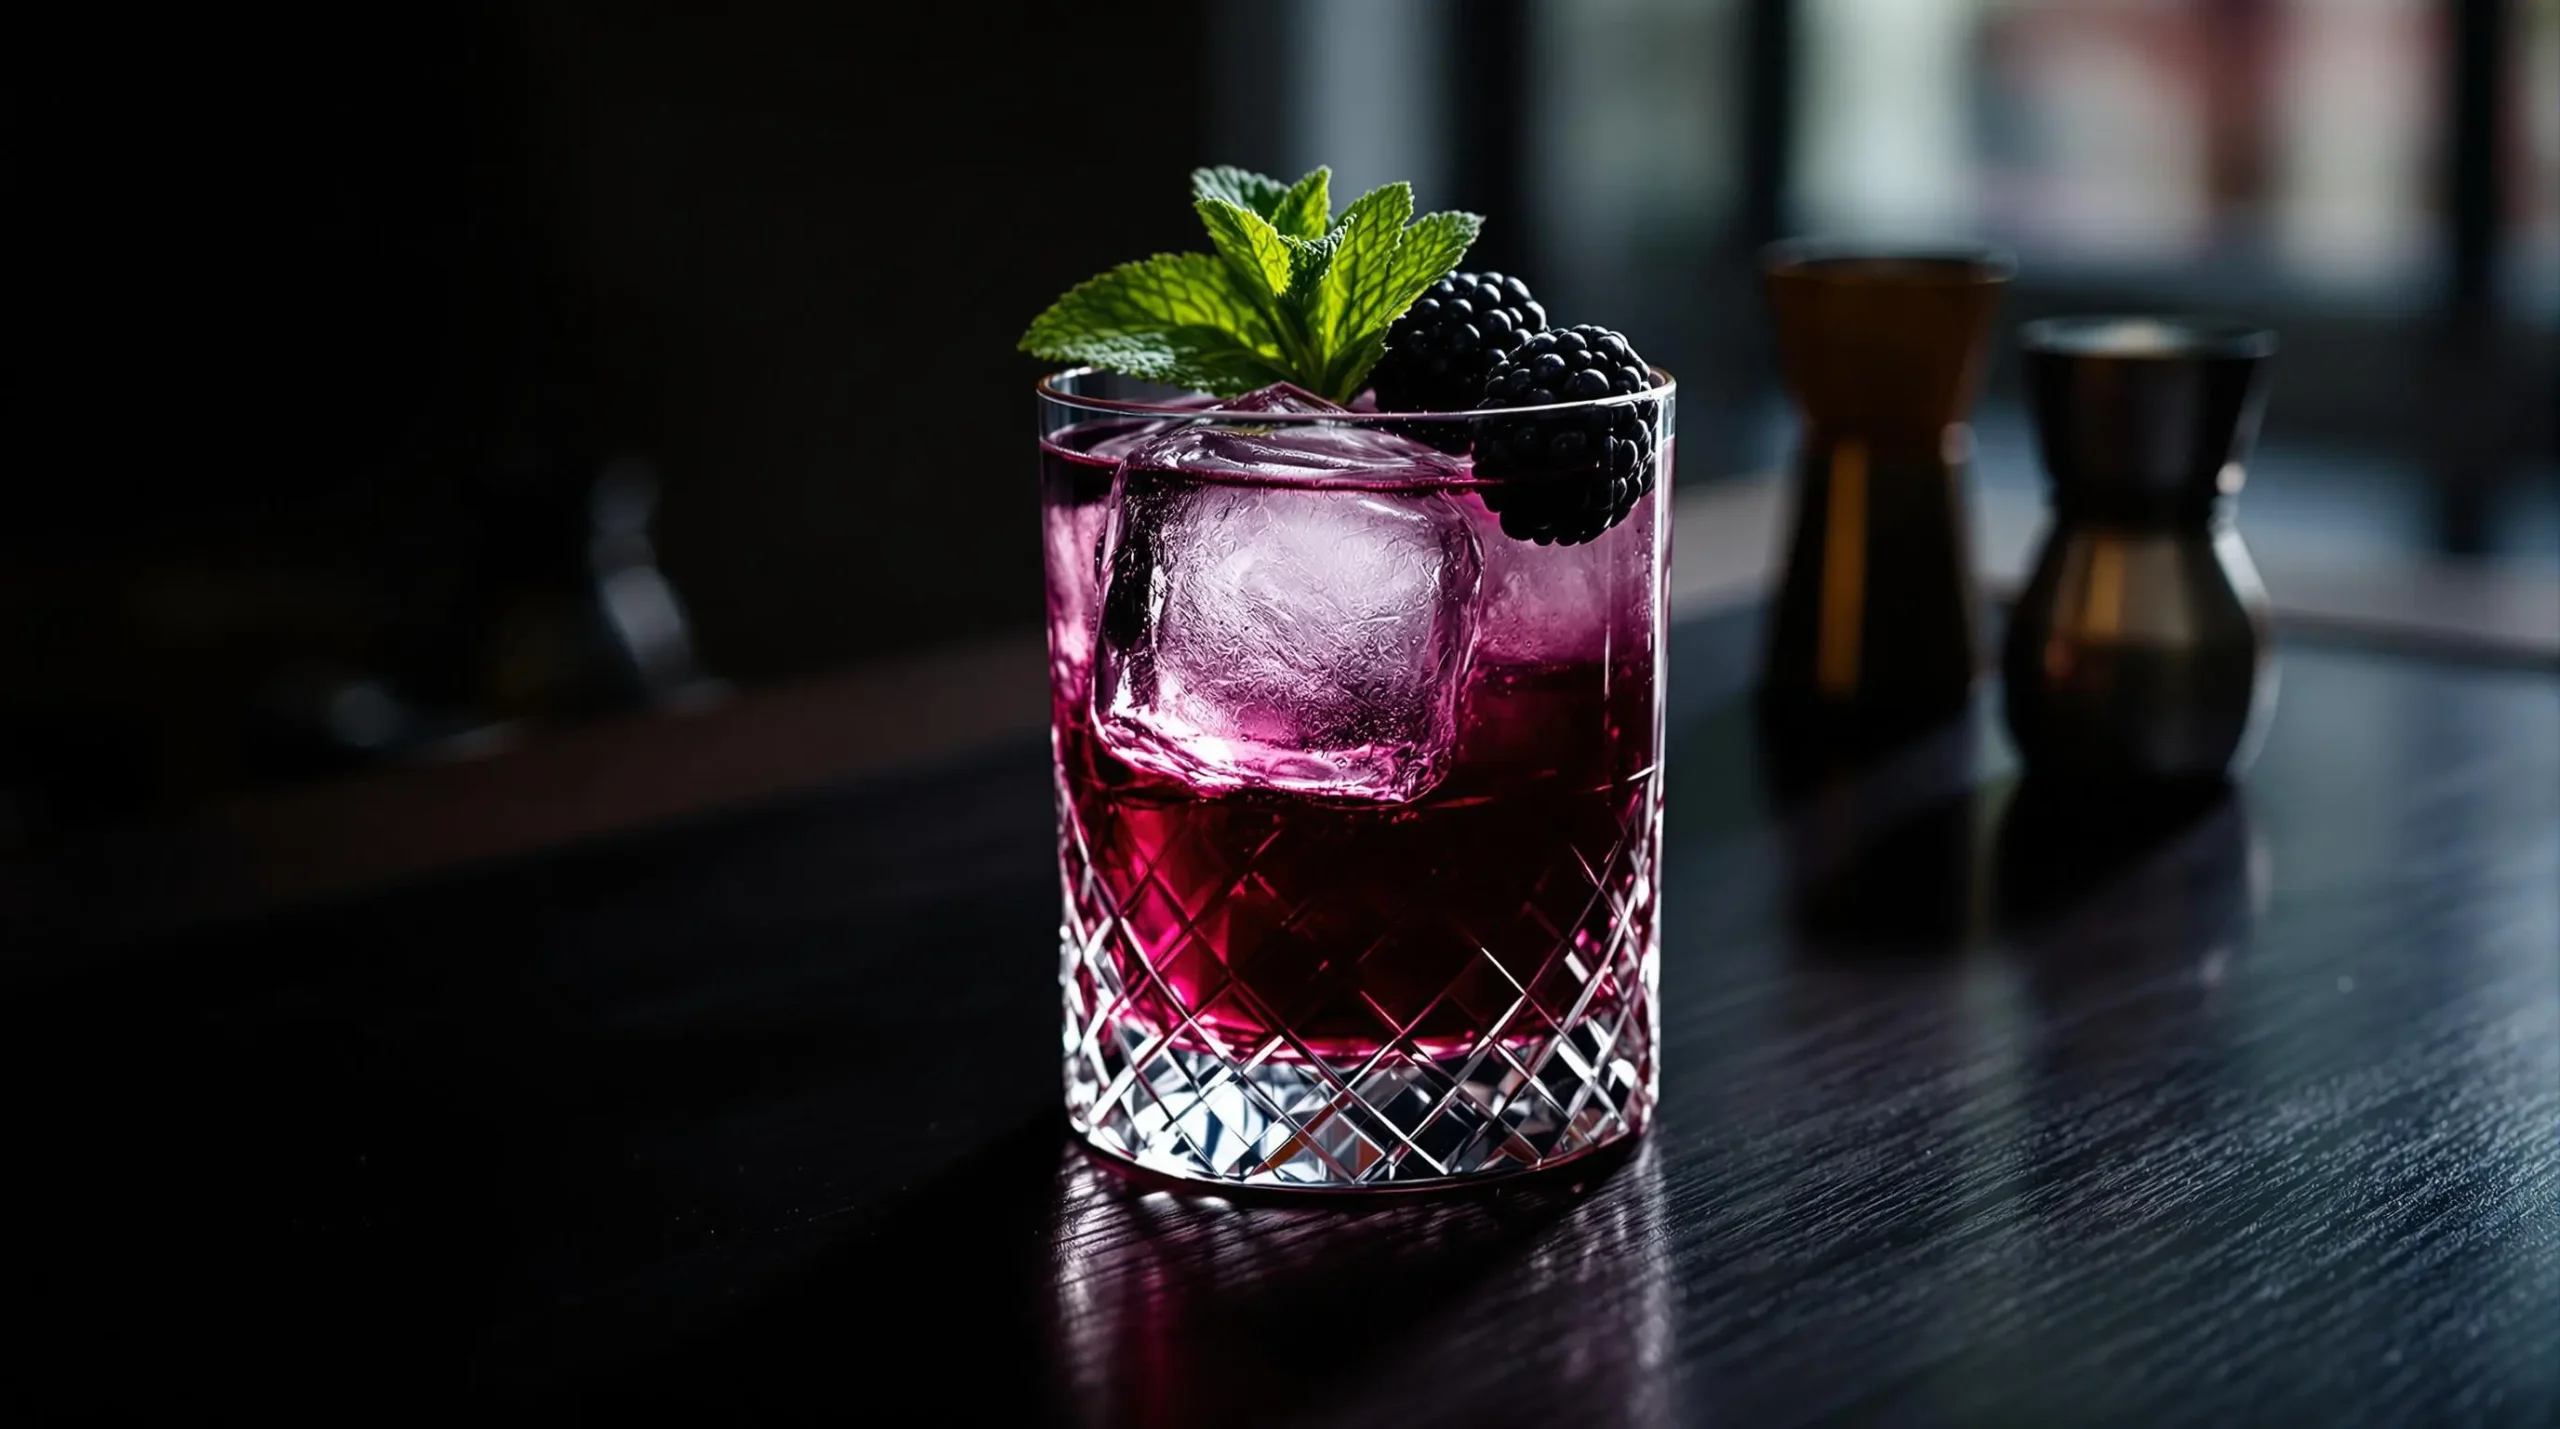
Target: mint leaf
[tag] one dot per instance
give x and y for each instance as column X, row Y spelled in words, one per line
column 1382, row 270
column 1177, row 318
column 1349, row 367
column 1308, row 260
column 1266, row 266
column 1366, row 240
column 1300, row 210
column 1431, row 250
column 1383, row 266
column 1242, row 187
column 1289, row 295
column 1251, row 246
column 1306, row 210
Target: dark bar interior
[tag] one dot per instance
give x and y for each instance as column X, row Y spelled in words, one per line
column 530, row 834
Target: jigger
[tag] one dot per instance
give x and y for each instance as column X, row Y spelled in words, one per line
column 2139, row 651
column 1872, row 626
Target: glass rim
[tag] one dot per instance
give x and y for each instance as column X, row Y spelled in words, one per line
column 1048, row 391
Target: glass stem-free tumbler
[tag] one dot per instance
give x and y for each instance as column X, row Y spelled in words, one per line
column 1359, row 794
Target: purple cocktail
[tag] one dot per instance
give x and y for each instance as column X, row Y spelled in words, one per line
column 1359, row 792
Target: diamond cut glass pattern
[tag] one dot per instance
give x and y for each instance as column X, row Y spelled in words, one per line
column 1268, row 987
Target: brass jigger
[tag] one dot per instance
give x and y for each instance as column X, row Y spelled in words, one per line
column 2139, row 653
column 1873, row 627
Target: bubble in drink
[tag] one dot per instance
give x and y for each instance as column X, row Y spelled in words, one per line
column 1287, row 607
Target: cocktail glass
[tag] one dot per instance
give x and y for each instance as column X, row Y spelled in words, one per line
column 1359, row 797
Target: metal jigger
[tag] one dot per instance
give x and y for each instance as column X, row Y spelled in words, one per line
column 1872, row 626
column 2138, row 653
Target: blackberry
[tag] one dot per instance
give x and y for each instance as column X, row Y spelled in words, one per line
column 1564, row 478
column 1440, row 352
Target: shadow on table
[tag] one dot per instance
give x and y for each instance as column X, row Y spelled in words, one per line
column 1903, row 849
column 1879, row 837
column 2120, row 925
column 901, row 1311
column 2007, row 994
column 1063, row 1290
column 2126, row 920
column 2091, row 873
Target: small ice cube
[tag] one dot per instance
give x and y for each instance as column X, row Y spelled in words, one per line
column 1286, row 608
column 1545, row 604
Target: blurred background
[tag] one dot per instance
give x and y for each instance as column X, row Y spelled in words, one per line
column 402, row 384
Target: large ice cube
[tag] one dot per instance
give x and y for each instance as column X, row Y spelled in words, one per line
column 1286, row 608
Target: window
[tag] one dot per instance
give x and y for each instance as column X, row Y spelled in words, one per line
column 2377, row 179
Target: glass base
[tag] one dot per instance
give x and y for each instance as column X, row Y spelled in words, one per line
column 1397, row 1120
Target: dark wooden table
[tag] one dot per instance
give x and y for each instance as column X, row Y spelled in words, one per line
column 2248, row 1114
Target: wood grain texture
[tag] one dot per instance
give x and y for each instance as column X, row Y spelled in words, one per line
column 2243, row 1113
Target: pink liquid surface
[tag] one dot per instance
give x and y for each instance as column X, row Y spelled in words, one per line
column 1513, row 898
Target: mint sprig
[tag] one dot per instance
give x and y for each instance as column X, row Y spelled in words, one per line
column 1289, row 294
